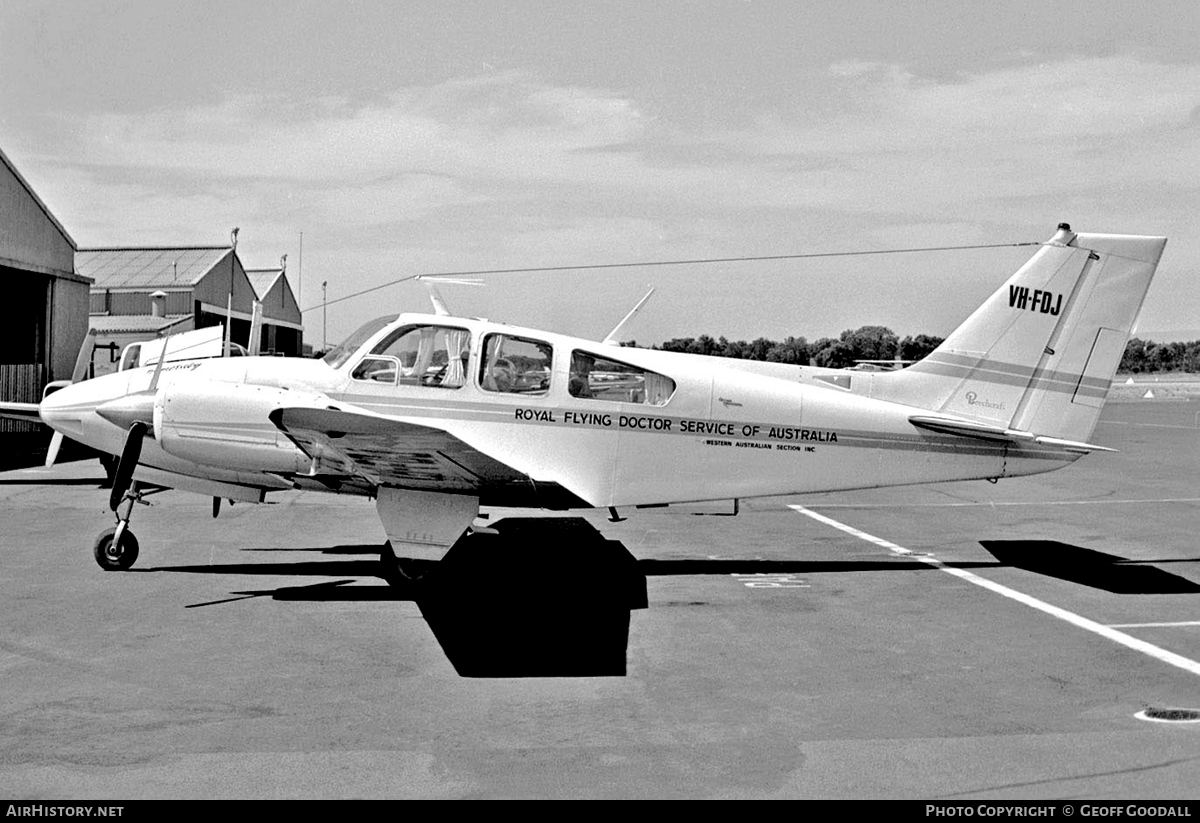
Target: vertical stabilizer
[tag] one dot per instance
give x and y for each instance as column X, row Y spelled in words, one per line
column 1040, row 353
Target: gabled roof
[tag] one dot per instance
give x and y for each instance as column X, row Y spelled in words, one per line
column 4, row 159
column 263, row 280
column 151, row 267
column 132, row 323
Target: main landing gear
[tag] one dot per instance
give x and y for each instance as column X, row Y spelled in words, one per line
column 401, row 571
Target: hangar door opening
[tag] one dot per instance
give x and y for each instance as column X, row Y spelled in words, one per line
column 23, row 343
column 26, row 309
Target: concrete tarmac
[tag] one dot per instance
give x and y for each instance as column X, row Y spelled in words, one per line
column 965, row 641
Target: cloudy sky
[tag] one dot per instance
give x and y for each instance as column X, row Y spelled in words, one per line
column 413, row 137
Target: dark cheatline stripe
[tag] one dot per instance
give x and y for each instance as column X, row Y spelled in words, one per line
column 916, row 442
column 1011, row 374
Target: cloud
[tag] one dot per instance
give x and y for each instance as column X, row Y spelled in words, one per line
column 881, row 139
column 853, row 68
column 484, row 126
column 509, row 167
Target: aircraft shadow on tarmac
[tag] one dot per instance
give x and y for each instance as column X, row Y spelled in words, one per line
column 511, row 602
column 1088, row 567
column 53, row 481
column 550, row 597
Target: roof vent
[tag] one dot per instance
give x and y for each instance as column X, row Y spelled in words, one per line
column 158, row 304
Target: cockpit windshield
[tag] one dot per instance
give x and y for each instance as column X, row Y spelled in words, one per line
column 341, row 353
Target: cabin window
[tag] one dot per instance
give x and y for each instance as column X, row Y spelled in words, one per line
column 433, row 356
column 129, row 358
column 338, row 355
column 515, row 365
column 594, row 377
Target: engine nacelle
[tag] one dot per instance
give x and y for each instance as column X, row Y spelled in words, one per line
column 227, row 425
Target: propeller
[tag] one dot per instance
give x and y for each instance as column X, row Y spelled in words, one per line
column 129, row 459
column 137, row 412
column 83, row 365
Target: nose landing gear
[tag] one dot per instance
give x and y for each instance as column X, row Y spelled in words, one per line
column 116, row 548
column 115, row 552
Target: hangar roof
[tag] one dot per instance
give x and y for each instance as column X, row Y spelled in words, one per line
column 132, row 323
column 25, row 183
column 263, row 280
column 142, row 268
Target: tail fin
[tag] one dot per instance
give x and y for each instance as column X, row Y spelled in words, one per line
column 1040, row 354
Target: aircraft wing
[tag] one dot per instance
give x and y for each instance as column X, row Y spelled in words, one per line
column 388, row 452
column 20, row 411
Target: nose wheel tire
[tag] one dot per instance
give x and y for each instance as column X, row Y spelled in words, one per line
column 115, row 556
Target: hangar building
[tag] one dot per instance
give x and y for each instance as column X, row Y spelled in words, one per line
column 140, row 293
column 282, row 332
column 45, row 319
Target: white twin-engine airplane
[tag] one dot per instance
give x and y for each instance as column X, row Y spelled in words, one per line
column 436, row 415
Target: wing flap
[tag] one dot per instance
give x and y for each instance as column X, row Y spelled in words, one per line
column 389, row 452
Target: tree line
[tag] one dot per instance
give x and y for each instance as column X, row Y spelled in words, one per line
column 881, row 343
column 1148, row 356
column 853, row 346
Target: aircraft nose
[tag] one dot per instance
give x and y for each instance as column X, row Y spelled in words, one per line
column 63, row 410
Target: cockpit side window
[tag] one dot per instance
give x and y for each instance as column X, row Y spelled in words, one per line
column 515, row 365
column 431, row 356
column 594, row 377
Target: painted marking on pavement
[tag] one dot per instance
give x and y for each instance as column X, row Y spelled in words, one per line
column 766, row 580
column 1154, row 625
column 998, row 504
column 1112, row 634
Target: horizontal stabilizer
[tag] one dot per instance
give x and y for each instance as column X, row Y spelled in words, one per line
column 1072, row 445
column 984, row 431
column 967, row 428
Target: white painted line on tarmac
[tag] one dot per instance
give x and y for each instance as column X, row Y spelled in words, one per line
column 1112, row 634
column 998, row 504
column 870, row 538
column 1154, row 625
column 1147, row 425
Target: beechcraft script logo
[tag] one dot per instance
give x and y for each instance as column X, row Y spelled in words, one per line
column 1046, row 302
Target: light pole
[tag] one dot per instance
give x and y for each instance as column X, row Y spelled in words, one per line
column 324, row 316
column 300, row 275
column 229, row 306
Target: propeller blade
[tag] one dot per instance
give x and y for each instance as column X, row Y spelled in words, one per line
column 129, row 459
column 83, row 362
column 55, row 445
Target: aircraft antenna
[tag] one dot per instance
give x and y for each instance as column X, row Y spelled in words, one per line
column 646, row 263
column 431, row 283
column 613, row 338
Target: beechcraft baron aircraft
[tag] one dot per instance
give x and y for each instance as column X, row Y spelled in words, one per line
column 436, row 415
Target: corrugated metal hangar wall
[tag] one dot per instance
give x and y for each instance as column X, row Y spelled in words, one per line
column 45, row 301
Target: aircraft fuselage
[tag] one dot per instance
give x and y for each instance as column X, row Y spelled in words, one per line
column 723, row 432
